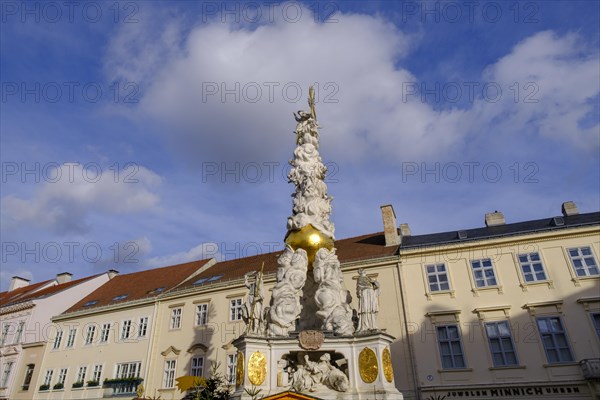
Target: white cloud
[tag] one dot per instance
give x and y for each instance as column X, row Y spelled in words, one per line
column 199, row 252
column 63, row 205
column 361, row 55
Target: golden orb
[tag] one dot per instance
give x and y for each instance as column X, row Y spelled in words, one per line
column 310, row 239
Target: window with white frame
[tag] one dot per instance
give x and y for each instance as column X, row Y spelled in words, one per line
column 197, row 365
column 57, row 340
column 126, row 330
column 169, row 374
column 554, row 339
column 532, row 267
column 62, row 376
column 231, row 368
column 501, row 343
column 97, row 374
column 143, row 327
column 48, row 377
column 451, row 350
column 6, row 373
column 483, row 273
column 596, row 322
column 81, row 374
column 4, row 334
column 71, row 337
column 201, row 314
column 105, row 332
column 583, row 261
column 19, row 333
column 437, row 277
column 128, row 370
column 175, row 318
column 89, row 334
column 235, row 309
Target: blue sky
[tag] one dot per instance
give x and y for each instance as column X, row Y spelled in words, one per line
column 159, row 132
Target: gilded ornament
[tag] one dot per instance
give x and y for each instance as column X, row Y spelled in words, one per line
column 239, row 371
column 367, row 365
column 311, row 240
column 257, row 368
column 386, row 360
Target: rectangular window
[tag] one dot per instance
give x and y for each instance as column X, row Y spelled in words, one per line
column 62, row 376
column 6, row 373
column 437, row 277
column 235, row 309
column 127, row 370
column 483, row 273
column 4, row 334
column 501, row 343
column 596, row 322
column 126, row 331
column 554, row 339
column 90, row 333
column 81, row 374
column 28, row 376
column 143, row 329
column 97, row 375
column 71, row 338
column 231, row 368
column 48, row 377
column 105, row 332
column 176, row 318
column 583, row 261
column 450, row 345
column 57, row 340
column 19, row 332
column 197, row 366
column 201, row 314
column 169, row 375
column 532, row 267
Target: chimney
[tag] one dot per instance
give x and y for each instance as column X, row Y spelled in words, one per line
column 494, row 219
column 112, row 273
column 18, row 282
column 569, row 208
column 404, row 230
column 389, row 225
column 64, row 277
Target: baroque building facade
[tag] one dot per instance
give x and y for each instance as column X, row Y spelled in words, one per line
column 502, row 311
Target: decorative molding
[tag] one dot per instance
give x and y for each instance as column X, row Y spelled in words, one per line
column 433, row 315
column 480, row 311
column 170, row 349
column 236, row 295
column 17, row 307
column 585, row 301
column 197, row 346
column 531, row 307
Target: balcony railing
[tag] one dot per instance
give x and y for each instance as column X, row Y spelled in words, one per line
column 590, row 368
column 122, row 386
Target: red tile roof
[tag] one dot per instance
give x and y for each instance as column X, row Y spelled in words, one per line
column 348, row 250
column 138, row 285
column 17, row 295
column 31, row 292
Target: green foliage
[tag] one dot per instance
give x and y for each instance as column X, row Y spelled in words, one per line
column 77, row 384
column 215, row 387
column 58, row 386
column 116, row 381
column 44, row 387
column 253, row 392
column 93, row 383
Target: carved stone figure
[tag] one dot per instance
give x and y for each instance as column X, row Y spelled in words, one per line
column 253, row 314
column 285, row 301
column 331, row 297
column 367, row 290
column 309, row 375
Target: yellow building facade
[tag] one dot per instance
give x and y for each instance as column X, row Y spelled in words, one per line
column 506, row 311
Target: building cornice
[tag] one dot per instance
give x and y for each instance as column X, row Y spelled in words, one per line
column 104, row 309
column 17, row 307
